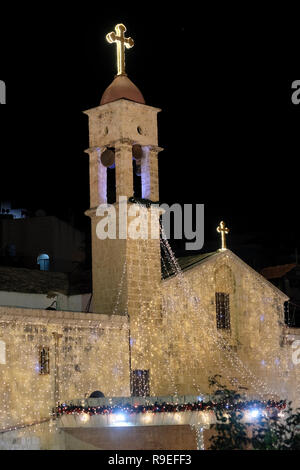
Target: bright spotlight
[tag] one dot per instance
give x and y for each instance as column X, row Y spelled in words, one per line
column 120, row 417
column 254, row 413
column 147, row 417
column 84, row 417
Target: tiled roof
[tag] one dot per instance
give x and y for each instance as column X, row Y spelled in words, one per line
column 185, row 262
column 34, row 281
column 276, row 272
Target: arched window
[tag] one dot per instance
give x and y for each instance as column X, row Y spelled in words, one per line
column 44, row 261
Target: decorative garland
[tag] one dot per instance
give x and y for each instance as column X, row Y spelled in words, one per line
column 169, row 407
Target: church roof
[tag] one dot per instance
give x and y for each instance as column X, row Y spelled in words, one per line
column 122, row 87
column 185, row 262
column 190, row 262
column 33, row 281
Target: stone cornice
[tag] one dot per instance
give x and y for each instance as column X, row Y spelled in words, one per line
column 117, row 103
column 79, row 319
column 116, row 143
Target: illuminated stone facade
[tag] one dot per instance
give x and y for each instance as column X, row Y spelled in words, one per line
column 87, row 352
column 140, row 322
column 251, row 353
column 120, row 125
column 172, row 323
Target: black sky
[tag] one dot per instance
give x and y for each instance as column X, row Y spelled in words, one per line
column 228, row 126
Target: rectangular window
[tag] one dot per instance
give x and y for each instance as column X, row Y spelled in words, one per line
column 44, row 360
column 2, row 352
column 222, row 310
column 140, row 383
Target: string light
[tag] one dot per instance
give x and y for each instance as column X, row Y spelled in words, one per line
column 211, row 341
column 171, row 330
column 121, row 411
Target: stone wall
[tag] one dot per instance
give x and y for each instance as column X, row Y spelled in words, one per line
column 73, row 303
column 87, row 352
column 48, row 436
column 173, row 334
column 122, row 119
column 128, row 438
column 127, row 278
column 251, row 354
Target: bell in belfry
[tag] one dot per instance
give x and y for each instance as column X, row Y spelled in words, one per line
column 137, row 152
column 137, row 155
column 108, row 158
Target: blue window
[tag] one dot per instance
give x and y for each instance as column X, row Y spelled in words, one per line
column 44, row 261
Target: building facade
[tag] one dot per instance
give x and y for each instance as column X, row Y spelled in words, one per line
column 146, row 335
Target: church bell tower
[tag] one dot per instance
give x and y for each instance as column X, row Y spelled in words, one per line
column 123, row 152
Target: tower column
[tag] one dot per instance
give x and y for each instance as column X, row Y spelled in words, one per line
column 98, row 178
column 149, row 168
column 124, row 173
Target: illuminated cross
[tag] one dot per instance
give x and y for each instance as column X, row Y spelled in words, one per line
column 122, row 42
column 223, row 230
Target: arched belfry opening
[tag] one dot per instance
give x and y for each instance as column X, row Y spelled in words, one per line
column 137, row 157
column 111, row 185
column 106, row 173
column 108, row 160
column 107, row 176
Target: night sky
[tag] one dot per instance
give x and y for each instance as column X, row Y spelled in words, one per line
column 228, row 126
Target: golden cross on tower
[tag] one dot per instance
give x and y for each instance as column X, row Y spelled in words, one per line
column 122, row 42
column 223, row 230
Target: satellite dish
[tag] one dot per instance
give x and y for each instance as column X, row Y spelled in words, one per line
column 108, row 158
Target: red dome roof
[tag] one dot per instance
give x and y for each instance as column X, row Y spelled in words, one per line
column 122, row 87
